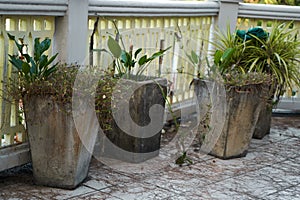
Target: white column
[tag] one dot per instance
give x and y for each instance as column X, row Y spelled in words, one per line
column 228, row 14
column 71, row 33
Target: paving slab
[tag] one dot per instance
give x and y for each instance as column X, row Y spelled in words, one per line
column 271, row 170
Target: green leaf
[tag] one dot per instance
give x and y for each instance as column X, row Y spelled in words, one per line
column 33, row 69
column 19, row 46
column 137, row 52
column 40, row 48
column 158, row 54
column 45, row 45
column 124, row 56
column 49, row 71
column 194, row 57
column 143, row 60
column 37, row 49
column 11, row 37
column 25, row 68
column 51, row 60
column 227, row 54
column 155, row 55
column 43, row 61
column 17, row 63
column 217, row 57
column 27, row 57
column 114, row 47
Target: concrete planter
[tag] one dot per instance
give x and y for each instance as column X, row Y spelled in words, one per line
column 242, row 112
column 202, row 91
column 264, row 121
column 135, row 126
column 263, row 124
column 59, row 158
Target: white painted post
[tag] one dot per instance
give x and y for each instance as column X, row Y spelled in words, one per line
column 71, row 31
column 228, row 14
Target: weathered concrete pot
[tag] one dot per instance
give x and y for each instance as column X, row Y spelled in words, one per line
column 263, row 124
column 59, row 158
column 135, row 127
column 242, row 112
column 202, row 91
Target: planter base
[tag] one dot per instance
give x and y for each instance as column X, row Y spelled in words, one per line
column 59, row 158
column 242, row 111
column 243, row 154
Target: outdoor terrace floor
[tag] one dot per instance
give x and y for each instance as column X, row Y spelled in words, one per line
column 271, row 170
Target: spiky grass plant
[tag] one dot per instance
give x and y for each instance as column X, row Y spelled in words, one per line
column 277, row 55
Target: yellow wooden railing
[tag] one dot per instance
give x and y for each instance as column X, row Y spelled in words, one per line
column 183, row 34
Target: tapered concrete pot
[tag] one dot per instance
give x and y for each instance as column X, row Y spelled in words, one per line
column 263, row 124
column 59, row 158
column 242, row 112
column 202, row 90
column 134, row 131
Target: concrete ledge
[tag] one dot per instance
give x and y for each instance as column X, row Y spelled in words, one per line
column 288, row 106
column 285, row 106
column 14, row 155
column 262, row 11
column 33, row 7
column 152, row 8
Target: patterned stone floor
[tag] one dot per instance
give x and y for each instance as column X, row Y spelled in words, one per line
column 271, row 170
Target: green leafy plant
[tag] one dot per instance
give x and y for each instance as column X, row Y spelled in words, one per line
column 125, row 61
column 33, row 68
column 277, row 56
column 36, row 74
column 183, row 159
column 229, row 50
column 275, row 53
column 196, row 61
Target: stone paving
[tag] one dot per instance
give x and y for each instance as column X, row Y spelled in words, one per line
column 271, row 170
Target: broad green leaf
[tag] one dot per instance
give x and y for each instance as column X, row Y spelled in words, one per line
column 37, row 49
column 114, row 47
column 45, row 45
column 17, row 63
column 143, row 60
column 125, row 58
column 11, row 37
column 227, row 54
column 33, row 69
column 43, row 61
column 217, row 57
column 19, row 46
column 137, row 52
column 25, row 68
column 194, row 57
column 158, row 54
column 27, row 57
column 155, row 55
